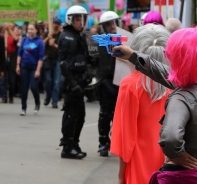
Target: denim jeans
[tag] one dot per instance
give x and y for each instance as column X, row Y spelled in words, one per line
column 28, row 79
column 52, row 82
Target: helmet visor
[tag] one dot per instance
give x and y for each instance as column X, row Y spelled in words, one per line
column 79, row 21
column 110, row 26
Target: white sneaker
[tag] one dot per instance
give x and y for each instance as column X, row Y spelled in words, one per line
column 37, row 108
column 23, row 113
column 35, row 111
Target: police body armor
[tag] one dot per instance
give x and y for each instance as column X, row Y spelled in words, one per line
column 73, row 54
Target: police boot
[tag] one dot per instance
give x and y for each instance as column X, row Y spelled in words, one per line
column 76, row 145
column 72, row 153
column 104, row 150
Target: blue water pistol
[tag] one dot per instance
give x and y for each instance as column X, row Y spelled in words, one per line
column 110, row 41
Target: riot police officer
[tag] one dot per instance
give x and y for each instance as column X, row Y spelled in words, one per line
column 107, row 90
column 73, row 53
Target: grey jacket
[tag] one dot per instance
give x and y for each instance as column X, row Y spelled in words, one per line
column 179, row 125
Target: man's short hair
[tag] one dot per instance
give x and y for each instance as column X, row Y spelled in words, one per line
column 173, row 24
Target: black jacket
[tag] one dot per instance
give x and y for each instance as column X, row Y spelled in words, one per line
column 71, row 43
column 73, row 55
column 107, row 64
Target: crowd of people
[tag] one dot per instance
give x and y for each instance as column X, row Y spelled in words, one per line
column 162, row 58
column 19, row 41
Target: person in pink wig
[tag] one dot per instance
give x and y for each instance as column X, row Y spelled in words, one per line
column 153, row 17
column 178, row 135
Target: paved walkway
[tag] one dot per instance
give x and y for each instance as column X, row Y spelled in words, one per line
column 29, row 151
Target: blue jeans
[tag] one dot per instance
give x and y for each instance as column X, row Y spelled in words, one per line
column 52, row 82
column 28, row 79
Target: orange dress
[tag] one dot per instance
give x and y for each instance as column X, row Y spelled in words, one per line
column 135, row 130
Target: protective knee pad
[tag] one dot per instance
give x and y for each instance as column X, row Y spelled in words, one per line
column 104, row 126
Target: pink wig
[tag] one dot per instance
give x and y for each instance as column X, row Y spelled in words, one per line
column 181, row 51
column 153, row 17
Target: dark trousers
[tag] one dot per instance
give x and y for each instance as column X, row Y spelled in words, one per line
column 11, row 76
column 72, row 120
column 8, row 82
column 3, row 87
column 107, row 99
column 28, row 79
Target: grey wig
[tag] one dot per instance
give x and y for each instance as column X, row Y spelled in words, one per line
column 151, row 39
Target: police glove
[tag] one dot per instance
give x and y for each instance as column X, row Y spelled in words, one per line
column 88, row 80
column 77, row 90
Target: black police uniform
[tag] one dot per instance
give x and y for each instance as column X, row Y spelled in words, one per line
column 108, row 93
column 73, row 53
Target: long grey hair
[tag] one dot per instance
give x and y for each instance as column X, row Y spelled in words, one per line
column 151, row 39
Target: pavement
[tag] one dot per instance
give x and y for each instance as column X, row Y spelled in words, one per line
column 29, row 151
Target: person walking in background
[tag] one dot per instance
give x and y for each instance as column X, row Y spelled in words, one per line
column 17, row 89
column 12, row 40
column 139, row 106
column 52, row 65
column 29, row 63
column 2, row 58
column 41, row 31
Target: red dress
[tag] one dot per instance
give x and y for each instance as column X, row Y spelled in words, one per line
column 135, row 130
